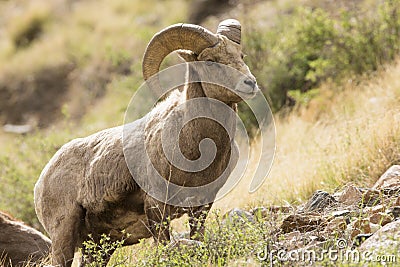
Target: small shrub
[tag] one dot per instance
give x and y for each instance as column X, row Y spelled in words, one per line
column 29, row 27
column 296, row 60
column 97, row 253
column 312, row 45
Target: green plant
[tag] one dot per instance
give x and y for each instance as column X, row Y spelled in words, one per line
column 298, row 59
column 312, row 45
column 97, row 253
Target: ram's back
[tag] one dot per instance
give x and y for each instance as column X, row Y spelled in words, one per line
column 89, row 172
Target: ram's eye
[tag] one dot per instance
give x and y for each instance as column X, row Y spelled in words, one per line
column 209, row 62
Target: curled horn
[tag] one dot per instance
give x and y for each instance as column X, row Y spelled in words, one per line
column 230, row 28
column 175, row 37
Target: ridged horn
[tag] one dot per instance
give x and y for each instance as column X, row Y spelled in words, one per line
column 175, row 37
column 231, row 28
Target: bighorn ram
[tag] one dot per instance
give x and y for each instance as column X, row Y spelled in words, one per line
column 87, row 187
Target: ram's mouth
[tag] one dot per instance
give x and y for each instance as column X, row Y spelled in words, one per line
column 247, row 94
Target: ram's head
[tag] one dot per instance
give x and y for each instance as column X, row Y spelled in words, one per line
column 221, row 52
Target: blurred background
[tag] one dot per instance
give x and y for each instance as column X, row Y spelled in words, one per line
column 329, row 69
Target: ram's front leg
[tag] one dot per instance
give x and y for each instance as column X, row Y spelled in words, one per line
column 158, row 218
column 197, row 219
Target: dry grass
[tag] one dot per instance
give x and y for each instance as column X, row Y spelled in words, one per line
column 348, row 133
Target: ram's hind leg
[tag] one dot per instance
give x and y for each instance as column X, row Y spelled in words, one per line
column 197, row 219
column 158, row 217
column 65, row 237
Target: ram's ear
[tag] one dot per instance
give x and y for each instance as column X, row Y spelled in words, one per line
column 187, row 55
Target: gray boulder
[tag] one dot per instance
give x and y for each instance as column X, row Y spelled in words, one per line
column 386, row 240
column 319, row 201
column 390, row 179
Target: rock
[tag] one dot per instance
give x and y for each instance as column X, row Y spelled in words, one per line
column 371, row 197
column 387, row 239
column 319, row 201
column 377, row 209
column 360, row 226
column 395, row 212
column 391, row 178
column 302, row 222
column 314, row 238
column 392, row 190
column 180, row 235
column 380, row 218
column 374, row 227
column 264, row 212
column 296, row 239
column 180, row 243
column 306, row 252
column 295, row 235
column 337, row 224
column 397, row 202
column 350, row 196
column 388, row 201
column 21, row 243
column 238, row 216
column 340, row 213
column 18, row 129
column 293, row 240
column 315, row 241
column 354, row 233
column 360, row 238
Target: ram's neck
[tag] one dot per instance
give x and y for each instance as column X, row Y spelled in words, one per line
column 195, row 89
column 211, row 120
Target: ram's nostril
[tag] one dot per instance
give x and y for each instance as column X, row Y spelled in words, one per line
column 250, row 82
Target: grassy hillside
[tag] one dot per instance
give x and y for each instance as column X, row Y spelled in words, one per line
column 68, row 52
column 69, row 68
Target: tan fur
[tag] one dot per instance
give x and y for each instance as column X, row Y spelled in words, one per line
column 87, row 188
column 20, row 243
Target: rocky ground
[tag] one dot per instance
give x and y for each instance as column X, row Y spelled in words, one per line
column 360, row 222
